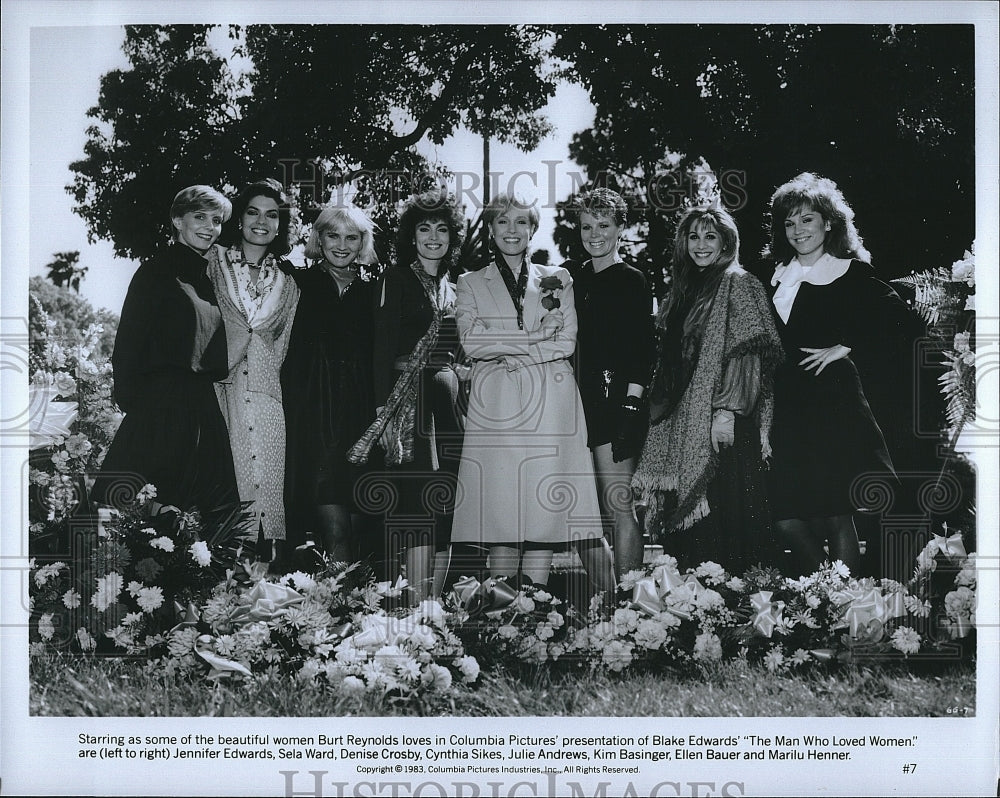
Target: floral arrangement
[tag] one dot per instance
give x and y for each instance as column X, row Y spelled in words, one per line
column 120, row 588
column 72, row 420
column 335, row 628
column 946, row 300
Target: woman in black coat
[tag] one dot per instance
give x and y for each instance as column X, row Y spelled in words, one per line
column 169, row 350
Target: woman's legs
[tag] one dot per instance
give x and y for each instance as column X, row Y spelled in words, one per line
column 595, row 554
column 442, row 562
column 336, row 532
column 535, row 564
column 805, row 539
column 614, row 492
column 508, row 561
column 420, row 571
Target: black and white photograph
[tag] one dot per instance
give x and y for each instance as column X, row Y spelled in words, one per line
column 509, row 399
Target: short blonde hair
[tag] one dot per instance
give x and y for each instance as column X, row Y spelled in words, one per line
column 351, row 216
column 198, row 198
column 502, row 203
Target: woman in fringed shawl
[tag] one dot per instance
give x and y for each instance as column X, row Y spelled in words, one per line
column 416, row 390
column 258, row 302
column 327, row 383
column 702, row 470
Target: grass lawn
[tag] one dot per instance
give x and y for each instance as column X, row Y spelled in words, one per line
column 64, row 685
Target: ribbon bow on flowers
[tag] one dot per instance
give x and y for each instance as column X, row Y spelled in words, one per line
column 379, row 630
column 265, row 601
column 950, row 546
column 867, row 612
column 484, row 598
column 665, row 590
column 767, row 613
column 204, row 647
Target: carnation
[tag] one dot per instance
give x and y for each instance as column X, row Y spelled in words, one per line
column 617, row 655
column 162, row 542
column 523, row 604
column 469, row 668
column 629, row 579
column 707, row 647
column 434, row 677
column 906, row 640
column 200, row 553
column 736, row 584
column 507, row 632
column 711, row 572
column 650, row 634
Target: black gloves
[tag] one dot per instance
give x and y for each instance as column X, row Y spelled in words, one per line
column 633, row 423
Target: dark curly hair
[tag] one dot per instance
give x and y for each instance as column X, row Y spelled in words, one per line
column 272, row 189
column 433, row 205
column 820, row 194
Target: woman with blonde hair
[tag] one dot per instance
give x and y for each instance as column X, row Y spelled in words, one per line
column 526, row 476
column 327, row 381
column 169, row 350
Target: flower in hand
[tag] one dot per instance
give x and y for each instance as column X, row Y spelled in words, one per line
column 549, row 287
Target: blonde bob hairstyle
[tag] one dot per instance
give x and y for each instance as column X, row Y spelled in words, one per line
column 349, row 216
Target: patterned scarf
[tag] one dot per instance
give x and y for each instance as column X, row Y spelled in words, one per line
column 400, row 412
column 516, row 289
column 678, row 457
column 250, row 294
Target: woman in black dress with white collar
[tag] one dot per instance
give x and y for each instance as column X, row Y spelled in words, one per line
column 830, row 309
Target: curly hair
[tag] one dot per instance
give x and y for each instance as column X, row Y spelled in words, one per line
column 350, row 216
column 199, row 198
column 601, row 202
column 433, row 205
column 272, row 189
column 820, row 194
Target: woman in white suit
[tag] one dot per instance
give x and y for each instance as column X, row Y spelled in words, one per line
column 526, row 476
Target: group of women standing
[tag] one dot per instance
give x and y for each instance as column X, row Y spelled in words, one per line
column 331, row 398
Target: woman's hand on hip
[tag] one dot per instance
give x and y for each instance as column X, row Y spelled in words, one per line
column 819, row 359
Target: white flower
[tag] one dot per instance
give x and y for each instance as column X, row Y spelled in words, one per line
column 65, row 385
column 469, row 668
column 45, row 628
column 162, row 542
column 150, row 598
column 708, row 647
column 840, row 569
column 711, row 572
column 200, row 553
column 46, row 572
column 964, row 270
column 432, row 611
column 435, row 677
column 617, row 655
column 352, row 686
column 523, row 604
column 960, row 601
column 629, row 579
column 131, row 618
column 134, row 588
column 148, row 530
column 774, row 659
column 665, row 559
column 970, row 302
column 71, row 599
column 625, row 620
column 906, row 640
column 148, row 492
column 800, row 657
column 108, row 589
column 915, row 606
column 736, row 584
column 507, row 632
column 301, row 580
column 543, row 631
column 541, row 595
column 554, row 619
column 650, row 634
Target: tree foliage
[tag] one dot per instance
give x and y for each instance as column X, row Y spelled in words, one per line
column 65, row 270
column 316, row 106
column 70, row 315
column 887, row 112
